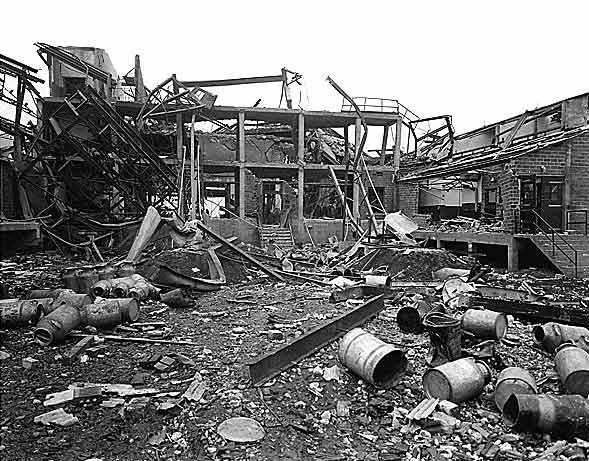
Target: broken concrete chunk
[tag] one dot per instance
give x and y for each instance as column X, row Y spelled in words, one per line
column 275, row 335
column 87, row 392
column 57, row 398
column 196, row 389
column 4, row 355
column 164, row 363
column 342, row 408
column 138, row 379
column 58, row 417
column 241, row 429
column 184, row 360
column 112, row 403
column 332, row 373
column 29, row 363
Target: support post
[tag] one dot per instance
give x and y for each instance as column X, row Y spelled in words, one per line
column 241, row 158
column 301, row 175
column 179, row 151
column 286, row 89
column 513, row 255
column 193, row 183
column 397, row 162
column 385, row 138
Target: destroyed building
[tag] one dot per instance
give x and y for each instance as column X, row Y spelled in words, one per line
column 230, row 282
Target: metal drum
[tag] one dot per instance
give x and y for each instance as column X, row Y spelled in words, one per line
column 513, row 380
column 572, row 365
column 55, row 326
column 456, row 381
column 110, row 312
column 16, row 312
column 374, row 360
column 485, row 324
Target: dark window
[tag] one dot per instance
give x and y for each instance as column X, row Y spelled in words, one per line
column 491, row 196
column 555, row 193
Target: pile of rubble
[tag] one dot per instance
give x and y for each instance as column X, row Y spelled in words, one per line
column 332, row 352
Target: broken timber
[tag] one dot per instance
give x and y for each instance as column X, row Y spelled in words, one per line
column 534, row 311
column 275, row 362
column 240, row 252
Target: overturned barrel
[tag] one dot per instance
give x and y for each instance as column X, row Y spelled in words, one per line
column 102, row 288
column 55, row 326
column 121, row 287
column 178, row 297
column 485, row 324
column 142, row 291
column 572, row 366
column 456, row 381
column 15, row 312
column 551, row 335
column 374, row 360
column 379, row 281
column 110, row 312
column 563, row 415
column 513, row 380
column 37, row 294
column 410, row 318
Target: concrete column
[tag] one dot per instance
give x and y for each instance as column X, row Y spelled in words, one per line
column 512, row 255
column 470, row 248
column 241, row 158
column 439, row 244
column 301, row 175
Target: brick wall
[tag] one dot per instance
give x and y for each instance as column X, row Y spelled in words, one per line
column 384, row 180
column 579, row 172
column 10, row 205
column 251, row 194
column 408, row 197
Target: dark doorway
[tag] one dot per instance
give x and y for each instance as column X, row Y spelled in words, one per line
column 542, row 195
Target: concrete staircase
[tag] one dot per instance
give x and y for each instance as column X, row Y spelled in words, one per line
column 280, row 235
column 579, row 242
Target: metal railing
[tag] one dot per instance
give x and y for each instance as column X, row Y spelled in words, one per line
column 555, row 245
column 383, row 105
column 584, row 221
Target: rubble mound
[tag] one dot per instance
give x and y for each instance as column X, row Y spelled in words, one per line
column 414, row 263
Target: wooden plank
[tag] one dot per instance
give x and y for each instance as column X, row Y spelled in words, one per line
column 273, row 363
column 239, row 251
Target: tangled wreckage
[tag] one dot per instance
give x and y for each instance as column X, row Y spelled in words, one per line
column 185, row 280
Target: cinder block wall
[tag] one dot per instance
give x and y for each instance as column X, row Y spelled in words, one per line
column 408, row 197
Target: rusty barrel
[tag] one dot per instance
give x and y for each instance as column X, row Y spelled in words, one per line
column 551, row 335
column 141, row 291
column 562, row 415
column 37, row 294
column 572, row 365
column 513, row 380
column 121, row 286
column 485, row 324
column 69, row 278
column 55, row 326
column 374, row 360
column 379, row 281
column 102, row 288
column 410, row 318
column 456, row 381
column 110, row 312
column 16, row 312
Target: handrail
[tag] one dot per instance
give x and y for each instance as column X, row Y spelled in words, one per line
column 584, row 211
column 554, row 244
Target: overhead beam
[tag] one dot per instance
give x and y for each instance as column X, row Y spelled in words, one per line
column 233, row 81
column 273, row 363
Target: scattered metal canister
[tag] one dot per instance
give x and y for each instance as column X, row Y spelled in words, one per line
column 551, row 335
column 379, row 281
column 56, row 325
column 142, row 291
column 410, row 318
column 69, row 278
column 513, row 380
column 563, row 415
column 110, row 312
column 572, row 365
column 485, row 324
column 374, row 360
column 76, row 300
column 87, row 278
column 16, row 312
column 37, row 294
column 121, row 286
column 456, row 381
column 102, row 288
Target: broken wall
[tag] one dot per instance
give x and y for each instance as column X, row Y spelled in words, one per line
column 258, row 148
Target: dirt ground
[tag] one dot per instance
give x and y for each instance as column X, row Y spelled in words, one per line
column 300, row 410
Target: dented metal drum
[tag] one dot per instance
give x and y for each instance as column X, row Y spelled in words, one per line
column 513, row 380
column 374, row 360
column 572, row 365
column 563, row 415
column 456, row 381
column 485, row 324
column 110, row 312
column 551, row 335
column 16, row 312
column 55, row 326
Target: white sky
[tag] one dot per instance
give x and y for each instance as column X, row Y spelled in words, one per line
column 477, row 61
